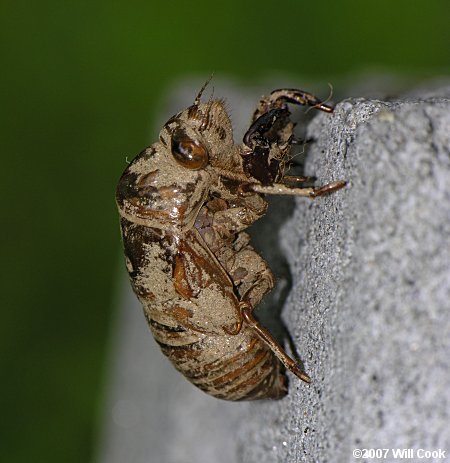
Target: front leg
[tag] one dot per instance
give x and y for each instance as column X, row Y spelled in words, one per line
column 283, row 189
column 279, row 98
column 220, row 220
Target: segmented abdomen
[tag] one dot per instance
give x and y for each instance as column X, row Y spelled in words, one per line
column 231, row 367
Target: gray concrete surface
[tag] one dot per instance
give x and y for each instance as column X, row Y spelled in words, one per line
column 368, row 306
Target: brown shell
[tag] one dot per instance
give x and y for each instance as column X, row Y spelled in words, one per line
column 184, row 204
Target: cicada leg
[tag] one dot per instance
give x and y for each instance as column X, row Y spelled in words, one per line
column 265, row 336
column 253, row 278
column 282, row 189
column 279, row 98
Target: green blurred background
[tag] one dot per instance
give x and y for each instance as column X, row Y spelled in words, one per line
column 80, row 82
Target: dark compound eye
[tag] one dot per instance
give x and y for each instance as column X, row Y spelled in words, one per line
column 188, row 152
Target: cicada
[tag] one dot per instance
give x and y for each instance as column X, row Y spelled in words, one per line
column 185, row 203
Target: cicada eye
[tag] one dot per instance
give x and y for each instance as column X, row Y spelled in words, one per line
column 188, row 152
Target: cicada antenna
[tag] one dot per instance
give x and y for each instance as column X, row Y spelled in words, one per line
column 199, row 95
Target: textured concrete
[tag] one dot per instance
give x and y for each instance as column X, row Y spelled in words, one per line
column 367, row 310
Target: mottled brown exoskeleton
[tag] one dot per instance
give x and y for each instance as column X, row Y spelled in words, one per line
column 184, row 203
